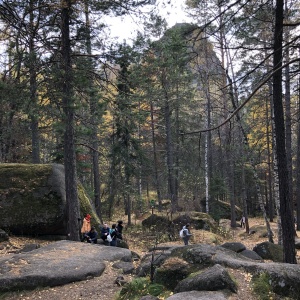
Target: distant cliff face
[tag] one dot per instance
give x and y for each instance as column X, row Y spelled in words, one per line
column 33, row 200
column 202, row 55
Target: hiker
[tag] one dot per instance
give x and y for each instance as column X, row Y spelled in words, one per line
column 86, row 226
column 120, row 229
column 114, row 235
column 243, row 222
column 186, row 234
column 91, row 236
column 105, row 231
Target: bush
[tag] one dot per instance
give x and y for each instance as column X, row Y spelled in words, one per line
column 140, row 287
column 262, row 287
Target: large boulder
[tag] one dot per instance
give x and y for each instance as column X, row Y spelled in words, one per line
column 212, row 279
column 267, row 250
column 222, row 210
column 154, row 220
column 33, row 199
column 57, row 264
column 198, row 220
column 171, row 272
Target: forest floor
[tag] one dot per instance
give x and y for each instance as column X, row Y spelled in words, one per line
column 105, row 288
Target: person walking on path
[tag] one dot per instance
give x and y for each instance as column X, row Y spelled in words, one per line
column 243, row 222
column 86, row 226
column 186, row 234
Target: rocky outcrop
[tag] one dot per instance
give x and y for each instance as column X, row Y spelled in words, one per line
column 57, row 263
column 33, row 200
column 189, row 268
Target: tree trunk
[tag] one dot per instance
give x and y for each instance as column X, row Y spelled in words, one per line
column 298, row 159
column 256, row 178
column 94, row 117
column 288, row 229
column 73, row 214
column 157, row 181
column 35, row 140
column 288, row 118
column 169, row 151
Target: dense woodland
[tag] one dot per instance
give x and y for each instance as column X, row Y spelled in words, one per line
column 195, row 114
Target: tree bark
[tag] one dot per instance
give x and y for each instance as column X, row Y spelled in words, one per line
column 35, row 140
column 94, row 117
column 288, row 229
column 73, row 214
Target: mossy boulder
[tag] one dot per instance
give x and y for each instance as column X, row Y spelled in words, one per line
column 267, row 250
column 33, row 199
column 198, row 220
column 157, row 221
column 221, row 210
column 260, row 230
column 171, row 272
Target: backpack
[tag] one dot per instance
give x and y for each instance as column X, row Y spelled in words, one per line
column 181, row 233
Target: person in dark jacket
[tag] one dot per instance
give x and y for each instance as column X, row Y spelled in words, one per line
column 120, row 229
column 92, row 235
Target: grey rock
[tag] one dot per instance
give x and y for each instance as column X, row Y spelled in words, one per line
column 251, row 254
column 271, row 251
column 126, row 267
column 211, row 279
column 29, row 247
column 55, row 264
column 198, row 295
column 234, row 246
column 145, row 265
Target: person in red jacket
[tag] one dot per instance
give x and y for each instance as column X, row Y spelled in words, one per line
column 86, row 227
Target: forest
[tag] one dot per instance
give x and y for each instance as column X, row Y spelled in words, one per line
column 194, row 115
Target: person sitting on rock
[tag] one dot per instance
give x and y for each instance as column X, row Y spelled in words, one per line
column 114, row 235
column 86, row 226
column 120, row 229
column 105, row 231
column 92, row 235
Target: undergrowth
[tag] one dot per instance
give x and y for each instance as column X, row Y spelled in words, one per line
column 140, row 287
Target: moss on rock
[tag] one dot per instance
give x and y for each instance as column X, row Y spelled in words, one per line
column 33, row 201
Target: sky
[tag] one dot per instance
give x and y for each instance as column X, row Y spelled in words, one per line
column 171, row 10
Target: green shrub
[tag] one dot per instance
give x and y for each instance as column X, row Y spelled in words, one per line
column 262, row 287
column 139, row 287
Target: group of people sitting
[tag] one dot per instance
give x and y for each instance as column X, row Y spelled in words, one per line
column 108, row 235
